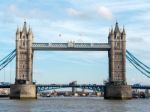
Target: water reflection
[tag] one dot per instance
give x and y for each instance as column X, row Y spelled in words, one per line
column 74, row 104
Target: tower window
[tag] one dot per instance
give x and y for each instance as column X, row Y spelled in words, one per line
column 118, row 44
column 23, row 43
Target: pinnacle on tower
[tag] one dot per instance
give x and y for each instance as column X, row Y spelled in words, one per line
column 24, row 27
column 112, row 32
column 30, row 30
column 116, row 28
column 18, row 31
column 109, row 32
column 123, row 32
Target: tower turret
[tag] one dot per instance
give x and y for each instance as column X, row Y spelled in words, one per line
column 24, row 29
column 112, row 32
column 17, row 33
column 123, row 32
column 111, row 35
column 18, row 30
column 29, row 31
column 116, row 28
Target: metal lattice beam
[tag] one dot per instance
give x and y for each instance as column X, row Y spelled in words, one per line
column 71, row 46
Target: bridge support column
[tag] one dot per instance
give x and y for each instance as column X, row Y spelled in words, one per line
column 117, row 92
column 24, row 88
column 23, row 91
column 116, row 87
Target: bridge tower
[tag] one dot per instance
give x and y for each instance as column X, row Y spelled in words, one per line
column 117, row 87
column 24, row 55
column 23, row 87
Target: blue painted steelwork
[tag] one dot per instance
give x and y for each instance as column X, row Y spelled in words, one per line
column 7, row 59
column 140, row 86
column 144, row 69
column 43, row 87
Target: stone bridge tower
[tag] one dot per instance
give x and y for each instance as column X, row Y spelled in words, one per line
column 117, row 86
column 23, row 87
column 117, row 54
column 24, row 55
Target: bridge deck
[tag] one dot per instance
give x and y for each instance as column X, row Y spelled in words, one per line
column 71, row 46
column 79, row 85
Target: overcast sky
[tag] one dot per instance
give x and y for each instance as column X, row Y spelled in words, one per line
column 81, row 21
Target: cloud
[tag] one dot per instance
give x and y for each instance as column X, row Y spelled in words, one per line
column 144, row 17
column 90, row 14
column 81, row 15
column 13, row 8
column 137, row 39
column 73, row 12
column 28, row 13
column 69, row 30
column 104, row 12
column 129, row 6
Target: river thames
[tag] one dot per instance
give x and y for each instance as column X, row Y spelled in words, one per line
column 74, row 104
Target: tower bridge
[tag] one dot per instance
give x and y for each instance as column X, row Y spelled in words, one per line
column 115, row 88
column 116, row 47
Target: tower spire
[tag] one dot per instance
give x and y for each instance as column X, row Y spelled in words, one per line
column 18, row 31
column 24, row 27
column 116, row 28
column 112, row 30
column 30, row 30
column 123, row 32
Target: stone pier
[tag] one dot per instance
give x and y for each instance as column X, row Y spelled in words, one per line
column 23, row 91
column 117, row 92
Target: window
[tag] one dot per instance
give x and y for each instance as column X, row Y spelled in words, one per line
column 23, row 43
column 118, row 44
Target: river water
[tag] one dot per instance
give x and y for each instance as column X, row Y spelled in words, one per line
column 74, row 104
